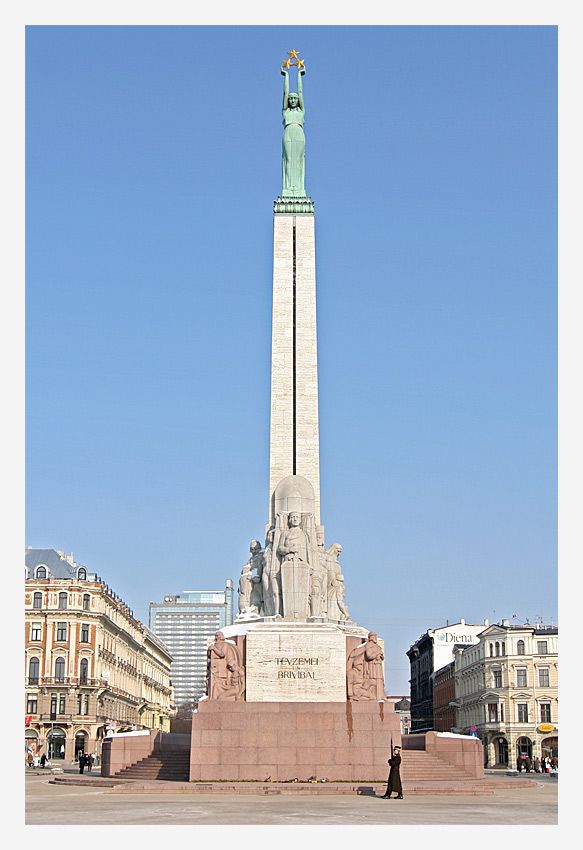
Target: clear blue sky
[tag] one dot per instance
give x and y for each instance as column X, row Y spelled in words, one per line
column 153, row 155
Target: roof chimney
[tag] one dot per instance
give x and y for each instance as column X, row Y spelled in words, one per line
column 486, row 622
column 505, row 622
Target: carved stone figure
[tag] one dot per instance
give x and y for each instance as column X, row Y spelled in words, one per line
column 271, row 579
column 364, row 671
column 337, row 609
column 250, row 587
column 293, row 546
column 318, row 585
column 245, row 587
column 294, row 142
column 256, row 562
column 223, row 662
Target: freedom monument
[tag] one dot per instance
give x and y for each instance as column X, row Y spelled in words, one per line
column 296, row 688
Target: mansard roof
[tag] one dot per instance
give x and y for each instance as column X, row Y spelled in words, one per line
column 57, row 565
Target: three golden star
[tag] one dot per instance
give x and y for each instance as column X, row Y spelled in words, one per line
column 294, row 59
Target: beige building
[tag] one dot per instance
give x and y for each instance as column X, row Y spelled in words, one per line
column 506, row 692
column 90, row 665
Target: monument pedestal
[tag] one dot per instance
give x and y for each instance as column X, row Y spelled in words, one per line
column 282, row 741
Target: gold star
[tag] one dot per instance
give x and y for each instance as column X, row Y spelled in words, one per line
column 300, row 63
column 293, row 54
column 286, row 64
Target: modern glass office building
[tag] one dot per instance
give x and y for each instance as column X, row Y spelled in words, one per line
column 186, row 623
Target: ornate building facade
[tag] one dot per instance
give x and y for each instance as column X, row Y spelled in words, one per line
column 429, row 653
column 507, row 692
column 90, row 665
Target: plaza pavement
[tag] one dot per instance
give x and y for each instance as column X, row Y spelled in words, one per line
column 53, row 804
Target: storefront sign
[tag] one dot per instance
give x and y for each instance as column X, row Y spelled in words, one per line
column 546, row 727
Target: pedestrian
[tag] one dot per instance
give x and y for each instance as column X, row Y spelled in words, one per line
column 81, row 762
column 519, row 764
column 536, row 764
column 394, row 783
column 35, row 760
column 528, row 764
column 89, row 762
column 29, row 757
column 43, row 760
column 555, row 763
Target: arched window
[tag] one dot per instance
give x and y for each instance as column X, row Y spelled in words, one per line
column 520, row 647
column 33, row 670
column 497, row 648
column 83, row 670
column 60, row 670
column 491, row 649
column 41, row 572
column 82, row 573
column 37, row 600
column 86, row 601
column 62, row 600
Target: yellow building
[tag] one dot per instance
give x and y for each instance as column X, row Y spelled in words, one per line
column 507, row 692
column 90, row 665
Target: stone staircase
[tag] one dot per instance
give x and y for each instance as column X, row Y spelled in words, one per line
column 169, row 765
column 419, row 766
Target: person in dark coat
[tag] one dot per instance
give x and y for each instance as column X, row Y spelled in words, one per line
column 81, row 762
column 43, row 760
column 394, row 783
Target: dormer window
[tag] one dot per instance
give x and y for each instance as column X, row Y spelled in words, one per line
column 82, row 574
column 41, row 572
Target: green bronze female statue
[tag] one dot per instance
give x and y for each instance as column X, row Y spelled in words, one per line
column 294, row 142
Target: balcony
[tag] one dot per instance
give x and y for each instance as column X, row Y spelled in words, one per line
column 51, row 717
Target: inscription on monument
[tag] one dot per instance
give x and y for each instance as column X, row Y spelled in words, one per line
column 307, row 664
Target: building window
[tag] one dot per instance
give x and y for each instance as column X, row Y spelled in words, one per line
column 541, row 647
column 545, row 712
column 86, row 704
column 41, row 572
column 62, row 703
column 544, row 678
column 491, row 649
column 523, row 712
column 492, row 712
column 521, row 677
column 497, row 678
column 503, row 648
column 60, row 670
column 497, row 648
column 37, row 600
column 84, row 633
column 53, row 706
column 62, row 601
column 83, row 669
column 36, row 631
column 31, row 704
column 33, row 670
column 61, row 631
column 86, row 601
column 520, row 647
column 79, row 703
column 82, row 574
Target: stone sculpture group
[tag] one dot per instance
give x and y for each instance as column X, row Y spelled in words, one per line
column 293, row 576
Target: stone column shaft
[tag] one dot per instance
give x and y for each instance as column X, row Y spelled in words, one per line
column 294, row 433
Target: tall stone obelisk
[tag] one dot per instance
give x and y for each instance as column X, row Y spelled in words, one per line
column 296, row 688
column 294, row 433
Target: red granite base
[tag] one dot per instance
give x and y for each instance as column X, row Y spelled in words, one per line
column 244, row 741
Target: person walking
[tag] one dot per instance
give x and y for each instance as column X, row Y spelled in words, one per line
column 536, row 764
column 81, row 762
column 43, row 759
column 394, row 783
column 518, row 764
column 89, row 762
